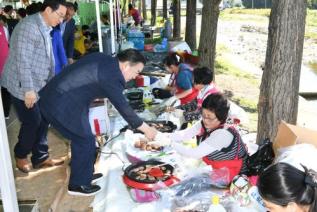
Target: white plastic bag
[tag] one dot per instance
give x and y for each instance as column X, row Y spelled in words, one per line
column 298, row 155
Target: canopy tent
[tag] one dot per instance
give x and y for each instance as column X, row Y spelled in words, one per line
column 114, row 23
column 7, row 186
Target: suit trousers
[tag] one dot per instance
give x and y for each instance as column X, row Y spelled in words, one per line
column 33, row 133
column 83, row 151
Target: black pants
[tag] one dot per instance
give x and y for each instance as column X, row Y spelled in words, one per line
column 83, row 150
column 33, row 133
column 6, row 101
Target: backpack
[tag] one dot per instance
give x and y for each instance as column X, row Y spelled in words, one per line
column 261, row 159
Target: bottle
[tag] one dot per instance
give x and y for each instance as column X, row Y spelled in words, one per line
column 215, row 206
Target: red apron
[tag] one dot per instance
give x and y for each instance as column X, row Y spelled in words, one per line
column 190, row 97
column 234, row 166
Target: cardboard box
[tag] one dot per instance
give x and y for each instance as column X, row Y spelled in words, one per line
column 288, row 135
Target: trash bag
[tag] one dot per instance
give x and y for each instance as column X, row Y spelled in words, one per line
column 261, row 159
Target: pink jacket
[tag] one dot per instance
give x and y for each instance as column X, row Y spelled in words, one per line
column 4, row 49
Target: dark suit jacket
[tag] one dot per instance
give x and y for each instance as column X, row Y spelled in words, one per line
column 65, row 100
column 69, row 38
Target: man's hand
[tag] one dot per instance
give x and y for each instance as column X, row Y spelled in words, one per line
column 70, row 61
column 149, row 132
column 30, row 99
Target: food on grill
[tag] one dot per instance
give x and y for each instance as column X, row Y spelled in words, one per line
column 161, row 127
column 151, row 172
column 144, row 145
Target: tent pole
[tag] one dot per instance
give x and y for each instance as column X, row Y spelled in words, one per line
column 7, row 186
column 113, row 50
column 98, row 25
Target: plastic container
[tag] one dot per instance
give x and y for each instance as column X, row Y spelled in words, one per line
column 215, row 205
column 137, row 38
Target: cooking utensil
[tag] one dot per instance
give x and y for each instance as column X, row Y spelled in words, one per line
column 130, row 175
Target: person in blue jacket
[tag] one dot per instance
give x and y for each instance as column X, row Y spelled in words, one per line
column 58, row 49
column 65, row 100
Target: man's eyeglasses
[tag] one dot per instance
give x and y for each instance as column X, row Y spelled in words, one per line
column 61, row 16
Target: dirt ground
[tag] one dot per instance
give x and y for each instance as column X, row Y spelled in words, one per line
column 48, row 186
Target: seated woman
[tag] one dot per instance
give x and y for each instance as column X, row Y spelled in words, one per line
column 217, row 144
column 203, row 82
column 180, row 85
column 286, row 188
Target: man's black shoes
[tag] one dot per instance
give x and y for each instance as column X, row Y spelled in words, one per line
column 83, row 190
column 96, row 177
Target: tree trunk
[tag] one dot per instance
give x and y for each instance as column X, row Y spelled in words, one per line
column 190, row 34
column 165, row 9
column 140, row 6
column 177, row 19
column 280, row 80
column 144, row 10
column 153, row 12
column 124, row 9
column 208, row 34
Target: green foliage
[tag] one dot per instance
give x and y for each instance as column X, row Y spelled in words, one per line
column 257, row 3
column 311, row 18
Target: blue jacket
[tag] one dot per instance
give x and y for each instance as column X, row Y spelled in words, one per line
column 65, row 100
column 58, row 50
column 69, row 38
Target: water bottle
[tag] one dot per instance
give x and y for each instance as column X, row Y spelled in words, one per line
column 215, row 205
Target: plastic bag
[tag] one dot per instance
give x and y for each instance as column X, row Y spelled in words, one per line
column 198, row 202
column 263, row 157
column 203, row 181
column 298, row 155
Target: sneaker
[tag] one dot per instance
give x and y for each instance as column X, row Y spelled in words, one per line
column 7, row 117
column 83, row 190
column 96, row 177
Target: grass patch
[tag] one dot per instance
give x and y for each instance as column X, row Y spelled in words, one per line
column 222, row 48
column 313, row 67
column 311, row 18
column 262, row 15
column 247, row 104
column 224, row 66
column 238, row 14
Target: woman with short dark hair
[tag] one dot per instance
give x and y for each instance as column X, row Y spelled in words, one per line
column 218, row 144
column 286, row 188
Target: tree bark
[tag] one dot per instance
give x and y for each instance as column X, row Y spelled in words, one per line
column 153, row 12
column 165, row 9
column 208, row 34
column 280, row 80
column 140, row 6
column 177, row 19
column 190, row 33
column 144, row 10
column 124, row 9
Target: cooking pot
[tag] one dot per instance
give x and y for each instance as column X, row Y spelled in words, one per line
column 157, row 170
column 162, row 126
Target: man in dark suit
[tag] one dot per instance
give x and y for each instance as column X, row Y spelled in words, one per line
column 68, row 31
column 65, row 102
